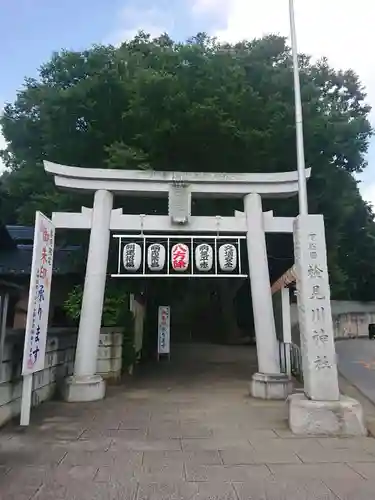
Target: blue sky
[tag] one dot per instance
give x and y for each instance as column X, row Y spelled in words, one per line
column 32, row 29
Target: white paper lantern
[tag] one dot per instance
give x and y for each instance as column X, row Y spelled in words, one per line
column 227, row 257
column 180, row 257
column 156, row 257
column 132, row 257
column 204, row 257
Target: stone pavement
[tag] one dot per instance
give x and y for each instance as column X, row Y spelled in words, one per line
column 186, row 430
column 356, row 359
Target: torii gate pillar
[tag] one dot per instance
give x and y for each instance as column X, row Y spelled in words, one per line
column 268, row 383
column 85, row 384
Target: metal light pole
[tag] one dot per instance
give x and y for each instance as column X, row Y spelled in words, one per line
column 302, row 187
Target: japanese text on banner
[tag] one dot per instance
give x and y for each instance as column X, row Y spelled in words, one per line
column 164, row 330
column 40, row 286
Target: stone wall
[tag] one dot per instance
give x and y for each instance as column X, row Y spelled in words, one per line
column 352, row 325
column 59, row 363
column 109, row 363
column 350, row 319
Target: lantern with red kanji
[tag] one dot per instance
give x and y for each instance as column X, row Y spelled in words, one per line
column 180, row 257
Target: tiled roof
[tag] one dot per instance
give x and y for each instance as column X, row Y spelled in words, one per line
column 6, row 242
column 17, row 262
column 21, row 233
column 16, row 249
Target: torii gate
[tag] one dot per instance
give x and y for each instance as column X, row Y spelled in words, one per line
column 179, row 187
column 320, row 369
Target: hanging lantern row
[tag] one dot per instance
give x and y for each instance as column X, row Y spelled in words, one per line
column 180, row 257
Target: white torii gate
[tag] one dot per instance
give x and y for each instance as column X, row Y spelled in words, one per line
column 101, row 219
column 321, row 409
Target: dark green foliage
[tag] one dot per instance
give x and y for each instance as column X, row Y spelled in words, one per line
column 115, row 305
column 198, row 106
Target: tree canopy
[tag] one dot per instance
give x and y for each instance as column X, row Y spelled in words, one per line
column 198, row 106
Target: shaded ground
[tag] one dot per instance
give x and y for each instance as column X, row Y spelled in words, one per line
column 185, row 430
column 357, row 364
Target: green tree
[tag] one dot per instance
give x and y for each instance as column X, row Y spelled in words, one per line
column 198, row 106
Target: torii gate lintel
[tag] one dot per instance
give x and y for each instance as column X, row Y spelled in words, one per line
column 162, row 223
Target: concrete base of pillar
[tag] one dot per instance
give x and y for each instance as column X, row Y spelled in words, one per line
column 270, row 386
column 325, row 418
column 80, row 389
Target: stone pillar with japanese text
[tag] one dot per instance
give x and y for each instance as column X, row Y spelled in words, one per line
column 314, row 310
column 321, row 410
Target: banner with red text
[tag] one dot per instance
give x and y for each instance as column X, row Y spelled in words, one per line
column 164, row 327
column 39, row 296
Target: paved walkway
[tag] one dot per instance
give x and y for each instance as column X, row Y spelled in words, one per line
column 357, row 364
column 187, row 430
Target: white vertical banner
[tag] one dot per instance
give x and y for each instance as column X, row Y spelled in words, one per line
column 38, row 308
column 164, row 329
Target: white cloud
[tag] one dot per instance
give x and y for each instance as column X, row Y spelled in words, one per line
column 324, row 28
column 341, row 30
column 368, row 193
column 219, row 8
column 132, row 19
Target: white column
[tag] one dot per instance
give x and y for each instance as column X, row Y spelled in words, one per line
column 85, row 385
column 264, row 323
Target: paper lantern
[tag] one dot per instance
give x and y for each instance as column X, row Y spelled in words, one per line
column 156, row 257
column 227, row 257
column 204, row 257
column 132, row 257
column 180, row 257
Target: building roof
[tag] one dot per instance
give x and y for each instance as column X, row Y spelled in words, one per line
column 18, row 261
column 21, row 234
column 16, row 250
column 6, row 241
column 11, row 236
